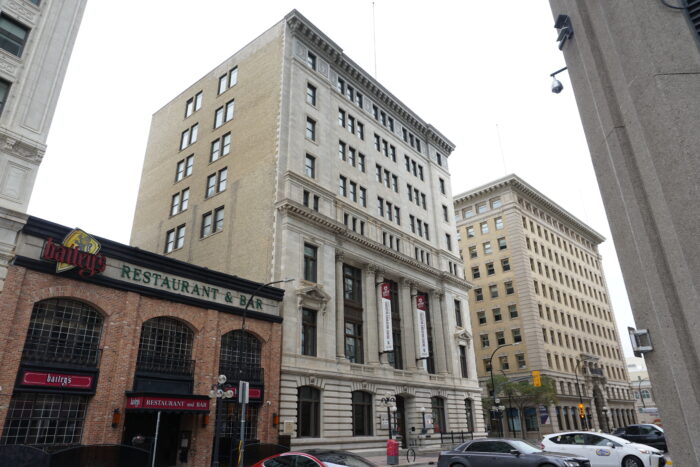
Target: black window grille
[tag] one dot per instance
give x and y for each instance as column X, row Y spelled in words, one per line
column 240, row 357
column 308, row 412
column 45, row 419
column 63, row 331
column 231, row 421
column 361, row 413
column 166, row 347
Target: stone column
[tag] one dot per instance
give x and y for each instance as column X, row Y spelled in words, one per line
column 339, row 308
column 372, row 316
column 408, row 334
column 451, row 351
column 420, row 365
column 439, row 336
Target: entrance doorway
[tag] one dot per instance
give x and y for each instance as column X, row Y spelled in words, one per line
column 401, row 420
column 144, row 424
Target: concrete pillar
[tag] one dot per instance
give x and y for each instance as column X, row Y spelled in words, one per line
column 439, row 334
column 408, row 334
column 339, row 308
column 373, row 322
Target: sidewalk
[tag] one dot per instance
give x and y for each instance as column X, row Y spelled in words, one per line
column 422, row 460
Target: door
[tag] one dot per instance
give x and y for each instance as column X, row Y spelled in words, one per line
column 140, row 431
column 400, row 422
column 603, row 452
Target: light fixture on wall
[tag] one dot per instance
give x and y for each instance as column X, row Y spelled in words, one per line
column 116, row 418
column 556, row 84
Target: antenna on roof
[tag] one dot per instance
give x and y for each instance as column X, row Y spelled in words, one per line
column 374, row 41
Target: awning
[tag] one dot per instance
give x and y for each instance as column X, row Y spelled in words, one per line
column 171, row 403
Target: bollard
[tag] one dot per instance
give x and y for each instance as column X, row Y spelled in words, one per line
column 392, row 452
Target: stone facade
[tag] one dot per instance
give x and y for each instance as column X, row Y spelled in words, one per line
column 634, row 70
column 328, row 172
column 124, row 303
column 32, row 68
column 539, row 287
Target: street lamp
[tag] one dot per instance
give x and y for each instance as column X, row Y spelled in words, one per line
column 219, row 391
column 493, row 385
column 389, row 402
column 605, row 416
column 243, row 398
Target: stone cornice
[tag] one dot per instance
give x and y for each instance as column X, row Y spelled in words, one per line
column 334, row 54
column 519, row 185
column 297, row 210
column 20, row 147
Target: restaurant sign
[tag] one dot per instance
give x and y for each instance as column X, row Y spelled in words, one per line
column 54, row 380
column 178, row 404
column 78, row 250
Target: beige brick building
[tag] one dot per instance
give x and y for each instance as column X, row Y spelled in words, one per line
column 36, row 41
column 539, row 288
column 290, row 161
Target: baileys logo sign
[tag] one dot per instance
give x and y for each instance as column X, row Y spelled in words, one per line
column 78, row 250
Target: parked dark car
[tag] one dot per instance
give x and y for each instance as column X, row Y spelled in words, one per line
column 651, row 435
column 505, row 453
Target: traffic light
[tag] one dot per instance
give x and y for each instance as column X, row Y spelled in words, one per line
column 581, row 411
column 536, row 380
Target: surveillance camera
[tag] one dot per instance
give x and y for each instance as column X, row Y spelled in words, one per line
column 557, row 86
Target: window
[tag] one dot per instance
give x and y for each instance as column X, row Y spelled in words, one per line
column 497, row 316
column 470, row 231
column 310, row 262
column 481, row 316
column 4, row 92
column 308, row 332
column 45, row 419
column 520, row 361
column 502, row 243
column 342, row 186
column 311, row 60
column 193, row 104
column 212, row 222
column 13, row 35
column 308, row 412
column 499, row 223
column 490, row 270
column 458, row 313
column 504, row 362
column 310, row 166
column 448, row 241
column 487, row 248
column 353, row 341
column 361, row 413
column 224, row 114
column 482, row 208
column 484, row 226
column 445, row 215
column 228, row 80
column 475, row 272
column 175, row 238
column 363, row 197
column 493, row 290
column 189, row 136
column 438, row 409
column 311, row 94
column 513, row 311
column 216, row 182
column 509, row 287
column 485, row 341
column 179, row 202
column 310, row 129
column 184, row 168
column 517, row 337
column 442, row 186
column 165, row 347
column 496, row 203
column 220, row 147
column 505, row 264
column 478, row 294
column 463, row 361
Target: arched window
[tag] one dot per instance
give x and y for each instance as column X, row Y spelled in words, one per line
column 361, row 413
column 63, row 331
column 240, row 357
column 646, row 394
column 469, row 409
column 166, row 347
column 308, row 412
column 439, row 422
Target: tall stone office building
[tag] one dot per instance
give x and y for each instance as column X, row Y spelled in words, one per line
column 36, row 41
column 539, row 287
column 290, row 161
column 635, row 72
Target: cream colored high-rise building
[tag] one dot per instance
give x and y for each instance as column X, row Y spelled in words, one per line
column 290, row 161
column 539, row 289
column 36, row 41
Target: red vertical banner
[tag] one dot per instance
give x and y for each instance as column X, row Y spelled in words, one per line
column 423, row 351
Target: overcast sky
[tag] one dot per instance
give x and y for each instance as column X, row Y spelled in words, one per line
column 473, row 69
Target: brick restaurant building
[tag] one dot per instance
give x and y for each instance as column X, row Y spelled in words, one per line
column 101, row 337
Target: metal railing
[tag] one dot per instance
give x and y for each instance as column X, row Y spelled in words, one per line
column 40, row 351
column 236, row 372
column 455, row 437
column 154, row 362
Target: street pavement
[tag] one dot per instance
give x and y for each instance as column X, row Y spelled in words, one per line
column 422, row 460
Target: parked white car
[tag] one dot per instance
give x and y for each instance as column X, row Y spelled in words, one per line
column 604, row 450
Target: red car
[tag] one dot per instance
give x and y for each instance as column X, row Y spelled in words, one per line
column 315, row 458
